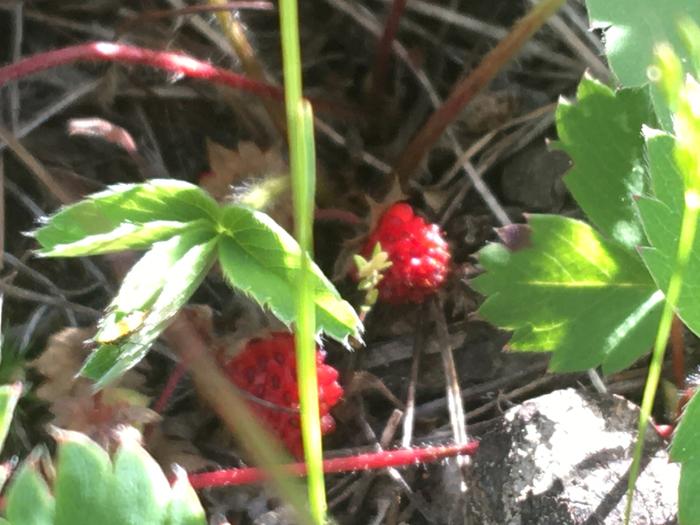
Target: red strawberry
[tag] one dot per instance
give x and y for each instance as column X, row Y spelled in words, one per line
column 418, row 253
column 266, row 368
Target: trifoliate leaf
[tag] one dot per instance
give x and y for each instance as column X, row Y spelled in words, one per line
column 685, row 450
column 561, row 287
column 126, row 216
column 662, row 215
column 602, row 133
column 262, row 259
column 152, row 292
column 632, row 28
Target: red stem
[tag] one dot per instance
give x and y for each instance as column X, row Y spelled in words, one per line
column 175, row 377
column 678, row 353
column 369, row 461
column 465, row 89
column 177, row 63
column 381, row 61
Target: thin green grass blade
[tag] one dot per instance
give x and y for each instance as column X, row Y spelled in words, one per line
column 302, row 161
column 304, row 333
column 681, row 97
column 688, row 230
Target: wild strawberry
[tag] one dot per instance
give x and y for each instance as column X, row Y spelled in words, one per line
column 418, row 253
column 266, row 368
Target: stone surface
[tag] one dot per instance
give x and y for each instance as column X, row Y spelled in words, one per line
column 563, row 459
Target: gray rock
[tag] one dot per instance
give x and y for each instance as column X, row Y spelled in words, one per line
column 563, row 459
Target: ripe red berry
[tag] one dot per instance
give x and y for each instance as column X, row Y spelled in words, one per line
column 417, row 250
column 266, row 368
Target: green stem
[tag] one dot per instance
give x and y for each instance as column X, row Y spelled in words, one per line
column 303, row 165
column 685, row 245
column 305, row 329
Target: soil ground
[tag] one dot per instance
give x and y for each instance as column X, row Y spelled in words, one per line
column 359, row 136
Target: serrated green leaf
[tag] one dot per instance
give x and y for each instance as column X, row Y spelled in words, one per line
column 632, row 28
column 157, row 286
column 83, row 481
column 126, row 216
column 685, row 450
column 9, row 396
column 126, row 236
column 185, row 508
column 140, row 493
column 671, row 218
column 29, row 501
column 562, row 287
column 601, row 133
column 662, row 214
column 259, row 257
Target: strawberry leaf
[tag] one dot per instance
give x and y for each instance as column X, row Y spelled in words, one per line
column 662, row 216
column 607, row 153
column 685, row 450
column 631, row 30
column 151, row 294
column 126, row 216
column 561, row 287
column 262, row 259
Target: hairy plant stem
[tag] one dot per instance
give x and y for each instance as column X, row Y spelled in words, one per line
column 466, row 89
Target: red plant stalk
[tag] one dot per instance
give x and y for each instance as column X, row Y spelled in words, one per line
column 176, row 63
column 678, row 353
column 370, row 461
column 465, row 90
column 173, row 380
column 381, row 61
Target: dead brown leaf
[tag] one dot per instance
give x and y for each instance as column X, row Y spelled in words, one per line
column 74, row 404
column 230, row 167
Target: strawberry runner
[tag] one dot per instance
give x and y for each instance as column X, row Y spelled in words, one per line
column 369, row 461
